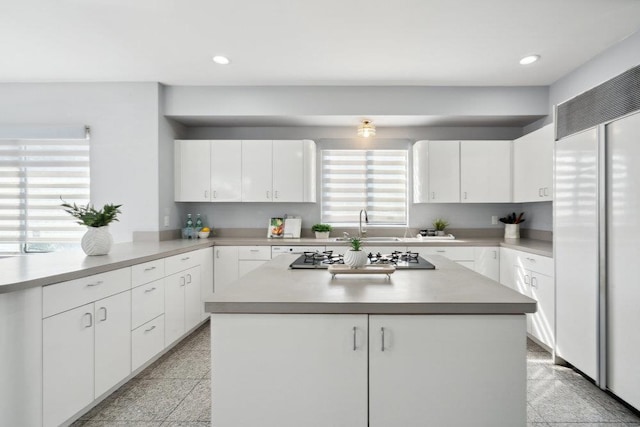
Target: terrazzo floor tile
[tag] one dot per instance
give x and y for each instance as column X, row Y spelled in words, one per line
column 196, row 406
column 91, row 423
column 185, row 424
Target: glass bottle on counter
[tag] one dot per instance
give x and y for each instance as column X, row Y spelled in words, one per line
column 199, row 222
column 189, row 227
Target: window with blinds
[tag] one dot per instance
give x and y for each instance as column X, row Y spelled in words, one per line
column 34, row 175
column 375, row 180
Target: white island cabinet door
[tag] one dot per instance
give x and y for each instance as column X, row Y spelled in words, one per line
column 433, row 370
column 226, row 171
column 288, row 171
column 485, row 171
column 67, row 364
column 289, row 370
column 192, row 171
column 257, row 171
column 112, row 341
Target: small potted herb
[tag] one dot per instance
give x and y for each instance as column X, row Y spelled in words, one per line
column 512, row 225
column 355, row 257
column 97, row 240
column 322, row 230
column 440, row 224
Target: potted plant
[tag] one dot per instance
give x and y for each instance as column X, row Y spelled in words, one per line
column 322, row 230
column 512, row 225
column 440, row 224
column 97, row 240
column 355, row 257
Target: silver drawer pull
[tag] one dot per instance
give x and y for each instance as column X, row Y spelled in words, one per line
column 534, row 282
column 382, row 334
column 90, row 320
column 104, row 319
column 150, row 329
column 99, row 282
column 150, row 268
column 441, row 250
column 254, row 250
column 150, row 290
column 531, row 259
column 188, row 278
column 182, row 281
column 355, row 347
column 185, row 258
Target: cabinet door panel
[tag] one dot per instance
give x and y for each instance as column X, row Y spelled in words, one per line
column 507, row 267
column 306, row 372
column 485, row 170
column 67, row 364
column 112, row 341
column 543, row 320
column 444, row 171
column 288, row 171
column 225, row 266
column 226, row 171
column 533, row 166
column 421, row 172
column 174, row 286
column 430, row 364
column 257, row 171
column 192, row 298
column 192, row 171
column 245, row 266
column 487, row 262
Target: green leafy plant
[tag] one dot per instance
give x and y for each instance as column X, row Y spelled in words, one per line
column 356, row 243
column 440, row 224
column 513, row 219
column 321, row 228
column 91, row 217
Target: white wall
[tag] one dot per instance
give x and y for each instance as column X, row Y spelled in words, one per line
column 124, row 139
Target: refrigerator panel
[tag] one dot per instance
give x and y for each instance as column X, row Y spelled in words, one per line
column 623, row 260
column 576, row 252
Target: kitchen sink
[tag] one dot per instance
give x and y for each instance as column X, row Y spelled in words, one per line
column 370, row 239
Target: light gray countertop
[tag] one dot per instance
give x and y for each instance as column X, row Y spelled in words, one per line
column 22, row 272
column 450, row 289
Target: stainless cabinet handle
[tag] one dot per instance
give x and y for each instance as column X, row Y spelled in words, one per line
column 99, row 282
column 206, row 194
column 254, row 250
column 150, row 290
column 276, row 193
column 268, row 194
column 187, row 258
column 526, row 279
column 150, row 268
column 530, row 259
column 546, row 191
column 215, row 194
column 540, row 192
column 465, row 195
column 382, row 334
column 104, row 319
column 150, row 329
column 218, row 253
column 534, row 282
column 441, row 250
column 433, row 195
column 495, row 254
column 188, row 278
column 354, row 339
column 182, row 281
column 90, row 319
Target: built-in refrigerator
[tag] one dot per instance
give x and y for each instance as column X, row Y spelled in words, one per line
column 597, row 254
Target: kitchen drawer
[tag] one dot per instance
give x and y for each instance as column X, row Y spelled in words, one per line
column 254, row 253
column 147, row 341
column 147, row 302
column 147, row 272
column 176, row 263
column 538, row 263
column 460, row 253
column 74, row 293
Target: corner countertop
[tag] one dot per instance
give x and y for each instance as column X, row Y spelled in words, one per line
column 450, row 289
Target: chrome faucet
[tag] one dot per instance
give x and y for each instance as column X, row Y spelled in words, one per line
column 361, row 231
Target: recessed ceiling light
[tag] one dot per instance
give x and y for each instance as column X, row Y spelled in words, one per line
column 222, row 60
column 529, row 59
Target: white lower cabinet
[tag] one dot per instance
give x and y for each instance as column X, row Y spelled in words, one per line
column 182, row 303
column 483, row 260
column 225, row 266
column 486, row 261
column 289, row 370
column 147, row 341
column 368, row 370
column 86, row 351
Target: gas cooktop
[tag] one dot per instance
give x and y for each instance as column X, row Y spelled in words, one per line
column 401, row 260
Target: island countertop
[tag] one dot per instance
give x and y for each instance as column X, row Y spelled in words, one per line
column 449, row 289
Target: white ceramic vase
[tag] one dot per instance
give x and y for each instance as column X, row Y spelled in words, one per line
column 512, row 231
column 322, row 234
column 439, row 232
column 97, row 241
column 355, row 259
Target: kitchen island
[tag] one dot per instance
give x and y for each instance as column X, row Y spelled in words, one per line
column 445, row 347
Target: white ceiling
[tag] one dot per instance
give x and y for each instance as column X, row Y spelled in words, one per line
column 326, row 42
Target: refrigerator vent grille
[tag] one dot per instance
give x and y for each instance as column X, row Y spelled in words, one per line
column 610, row 100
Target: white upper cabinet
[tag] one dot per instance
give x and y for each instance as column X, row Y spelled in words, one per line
column 192, row 171
column 288, row 171
column 257, row 171
column 226, row 171
column 444, row 171
column 485, row 171
column 533, row 166
column 421, row 172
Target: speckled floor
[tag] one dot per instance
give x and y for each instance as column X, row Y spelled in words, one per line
column 175, row 391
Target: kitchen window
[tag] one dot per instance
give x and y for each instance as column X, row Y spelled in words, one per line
column 34, row 175
column 375, row 180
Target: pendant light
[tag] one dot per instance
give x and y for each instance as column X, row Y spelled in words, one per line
column 366, row 129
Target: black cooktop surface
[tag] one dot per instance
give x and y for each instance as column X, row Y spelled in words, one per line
column 401, row 260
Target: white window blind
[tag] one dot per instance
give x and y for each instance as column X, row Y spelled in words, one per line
column 375, row 180
column 34, row 175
